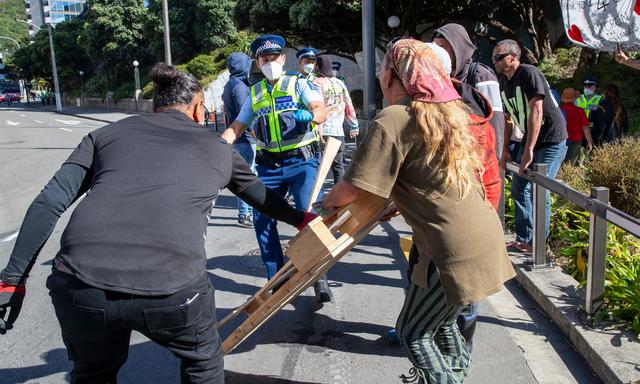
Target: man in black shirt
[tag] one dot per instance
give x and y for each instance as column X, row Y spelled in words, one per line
column 529, row 106
column 132, row 256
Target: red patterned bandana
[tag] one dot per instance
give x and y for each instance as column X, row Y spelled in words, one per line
column 421, row 72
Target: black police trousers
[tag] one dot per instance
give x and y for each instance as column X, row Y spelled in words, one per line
column 96, row 326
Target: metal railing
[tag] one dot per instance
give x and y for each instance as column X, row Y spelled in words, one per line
column 600, row 212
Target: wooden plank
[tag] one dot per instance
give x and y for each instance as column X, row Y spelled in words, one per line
column 315, row 241
column 362, row 217
column 328, row 154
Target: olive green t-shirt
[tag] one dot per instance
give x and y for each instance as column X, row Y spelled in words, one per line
column 463, row 237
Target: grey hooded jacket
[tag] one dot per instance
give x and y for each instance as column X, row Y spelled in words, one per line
column 484, row 79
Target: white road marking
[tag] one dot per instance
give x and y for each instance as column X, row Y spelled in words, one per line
column 23, row 115
column 66, row 129
column 38, row 121
column 9, row 237
column 12, row 123
column 69, row 122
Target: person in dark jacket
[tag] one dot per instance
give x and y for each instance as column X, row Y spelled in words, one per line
column 616, row 118
column 455, row 40
column 234, row 94
column 132, row 256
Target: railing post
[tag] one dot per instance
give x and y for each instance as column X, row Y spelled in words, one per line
column 539, row 219
column 597, row 254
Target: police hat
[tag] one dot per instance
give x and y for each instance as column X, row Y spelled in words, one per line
column 268, row 44
column 336, row 65
column 590, row 80
column 309, row 52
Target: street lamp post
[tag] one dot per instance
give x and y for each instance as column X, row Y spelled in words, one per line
column 167, row 41
column 54, row 67
column 368, row 50
column 81, row 73
column 136, row 74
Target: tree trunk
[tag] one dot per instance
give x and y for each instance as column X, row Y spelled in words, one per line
column 588, row 58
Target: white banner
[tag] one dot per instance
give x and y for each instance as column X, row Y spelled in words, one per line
column 605, row 25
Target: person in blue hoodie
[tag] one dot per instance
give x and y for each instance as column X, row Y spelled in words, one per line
column 235, row 92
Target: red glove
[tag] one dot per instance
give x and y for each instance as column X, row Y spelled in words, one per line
column 11, row 297
column 308, row 217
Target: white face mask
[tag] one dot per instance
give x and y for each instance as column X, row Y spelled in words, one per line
column 335, row 73
column 588, row 91
column 272, row 70
column 308, row 68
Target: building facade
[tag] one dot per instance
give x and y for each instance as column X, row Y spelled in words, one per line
column 55, row 12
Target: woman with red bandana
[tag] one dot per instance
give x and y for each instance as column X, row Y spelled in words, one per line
column 420, row 153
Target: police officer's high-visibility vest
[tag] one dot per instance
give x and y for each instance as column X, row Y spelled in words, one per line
column 276, row 129
column 590, row 104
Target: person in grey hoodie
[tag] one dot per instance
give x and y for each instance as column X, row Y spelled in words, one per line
column 235, row 92
column 456, row 41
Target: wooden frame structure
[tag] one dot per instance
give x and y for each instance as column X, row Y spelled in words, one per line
column 311, row 253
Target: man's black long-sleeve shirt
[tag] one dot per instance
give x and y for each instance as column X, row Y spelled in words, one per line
column 150, row 182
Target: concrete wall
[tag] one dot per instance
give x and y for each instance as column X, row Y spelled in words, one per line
column 99, row 103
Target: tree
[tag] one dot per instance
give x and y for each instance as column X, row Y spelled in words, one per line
column 214, row 24
column 196, row 26
column 114, row 33
column 10, row 12
column 336, row 26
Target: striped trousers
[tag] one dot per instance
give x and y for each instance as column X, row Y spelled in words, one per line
column 429, row 334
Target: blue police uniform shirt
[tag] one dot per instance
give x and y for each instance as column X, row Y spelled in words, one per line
column 306, row 92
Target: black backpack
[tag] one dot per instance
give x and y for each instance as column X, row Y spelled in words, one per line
column 473, row 71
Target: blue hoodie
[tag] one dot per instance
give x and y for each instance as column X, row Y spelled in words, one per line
column 237, row 90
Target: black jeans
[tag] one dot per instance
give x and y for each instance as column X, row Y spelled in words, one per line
column 96, row 326
column 337, row 166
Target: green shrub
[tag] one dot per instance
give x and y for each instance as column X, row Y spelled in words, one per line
column 125, row 91
column 617, row 167
column 574, row 176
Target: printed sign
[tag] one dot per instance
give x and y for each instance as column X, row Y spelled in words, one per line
column 605, row 25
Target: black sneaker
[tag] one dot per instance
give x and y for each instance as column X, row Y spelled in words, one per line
column 322, row 290
column 245, row 221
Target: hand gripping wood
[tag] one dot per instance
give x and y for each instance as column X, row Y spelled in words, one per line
column 311, row 253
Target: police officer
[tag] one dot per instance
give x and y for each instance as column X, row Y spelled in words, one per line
column 132, row 256
column 307, row 59
column 284, row 105
column 590, row 102
column 335, row 69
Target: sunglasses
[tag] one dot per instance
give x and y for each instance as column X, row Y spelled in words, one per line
column 207, row 116
column 501, row 56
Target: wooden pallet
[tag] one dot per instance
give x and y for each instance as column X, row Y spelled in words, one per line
column 311, row 253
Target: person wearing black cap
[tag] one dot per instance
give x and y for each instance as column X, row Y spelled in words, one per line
column 589, row 101
column 307, row 58
column 132, row 256
column 283, row 107
column 335, row 69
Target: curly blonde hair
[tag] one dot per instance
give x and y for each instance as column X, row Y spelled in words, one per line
column 451, row 148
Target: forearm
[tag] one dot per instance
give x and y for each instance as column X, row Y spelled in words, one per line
column 508, row 131
column 319, row 113
column 233, row 132
column 534, row 122
column 340, row 195
column 271, row 203
column 68, row 184
column 587, row 134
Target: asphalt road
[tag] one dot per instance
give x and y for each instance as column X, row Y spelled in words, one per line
column 340, row 342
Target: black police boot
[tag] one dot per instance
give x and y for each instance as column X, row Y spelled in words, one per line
column 322, row 290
